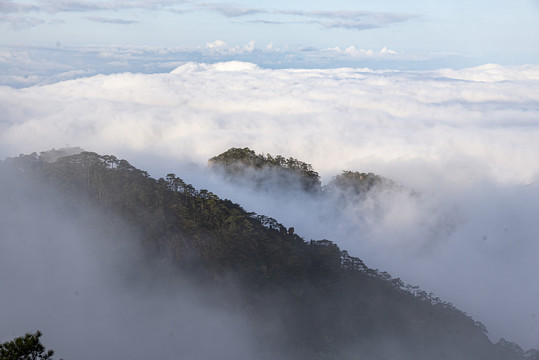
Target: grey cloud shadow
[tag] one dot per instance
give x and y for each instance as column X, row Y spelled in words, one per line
column 111, row 21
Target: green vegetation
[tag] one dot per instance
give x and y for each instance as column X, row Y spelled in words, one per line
column 244, row 164
column 358, row 183
column 237, row 163
column 27, row 347
column 328, row 304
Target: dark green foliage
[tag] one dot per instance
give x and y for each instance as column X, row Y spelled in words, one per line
column 279, row 173
column 327, row 304
column 27, row 347
column 238, row 163
column 358, row 183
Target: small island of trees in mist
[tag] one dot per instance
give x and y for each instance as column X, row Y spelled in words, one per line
column 306, row 298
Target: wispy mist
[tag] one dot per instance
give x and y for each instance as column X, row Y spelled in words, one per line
column 473, row 245
column 465, row 142
column 81, row 277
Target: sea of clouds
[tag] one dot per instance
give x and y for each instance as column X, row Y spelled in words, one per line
column 465, row 141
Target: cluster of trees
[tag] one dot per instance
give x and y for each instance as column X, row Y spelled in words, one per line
column 265, row 170
column 329, row 304
column 359, row 182
column 239, row 162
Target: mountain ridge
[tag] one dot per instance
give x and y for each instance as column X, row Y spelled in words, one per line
column 322, row 286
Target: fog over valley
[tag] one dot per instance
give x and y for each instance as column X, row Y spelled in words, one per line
column 88, row 286
column 459, row 145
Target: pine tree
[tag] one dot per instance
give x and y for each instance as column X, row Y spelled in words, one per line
column 27, row 347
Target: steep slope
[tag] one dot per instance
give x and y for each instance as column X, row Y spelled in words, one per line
column 310, row 299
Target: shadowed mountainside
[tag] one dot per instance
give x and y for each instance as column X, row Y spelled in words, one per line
column 310, row 299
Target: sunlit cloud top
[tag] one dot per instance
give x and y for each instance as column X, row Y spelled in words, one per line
column 487, row 115
column 464, row 139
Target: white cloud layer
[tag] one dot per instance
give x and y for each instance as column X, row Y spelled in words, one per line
column 466, row 140
column 27, row 66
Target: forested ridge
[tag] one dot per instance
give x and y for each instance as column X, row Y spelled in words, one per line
column 329, row 303
column 262, row 170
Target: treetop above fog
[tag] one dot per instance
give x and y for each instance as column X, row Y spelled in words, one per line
column 244, row 162
column 262, row 170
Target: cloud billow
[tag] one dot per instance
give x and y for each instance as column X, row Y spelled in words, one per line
column 464, row 140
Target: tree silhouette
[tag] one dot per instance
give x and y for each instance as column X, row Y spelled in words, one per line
column 27, row 347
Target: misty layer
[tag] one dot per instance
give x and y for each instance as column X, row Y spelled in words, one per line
column 477, row 240
column 482, row 119
column 86, row 279
column 143, row 267
column 465, row 140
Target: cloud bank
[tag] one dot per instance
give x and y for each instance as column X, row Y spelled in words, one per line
column 483, row 117
column 27, row 66
column 464, row 140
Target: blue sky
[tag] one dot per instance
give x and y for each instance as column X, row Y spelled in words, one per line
column 376, row 34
